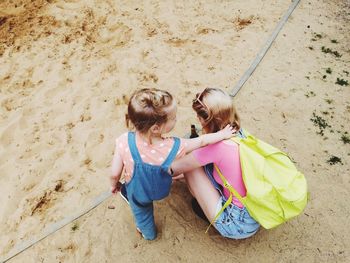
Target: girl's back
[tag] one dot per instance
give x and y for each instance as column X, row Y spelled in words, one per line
column 153, row 154
column 225, row 155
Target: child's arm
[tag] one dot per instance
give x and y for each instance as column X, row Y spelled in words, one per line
column 184, row 164
column 117, row 169
column 209, row 138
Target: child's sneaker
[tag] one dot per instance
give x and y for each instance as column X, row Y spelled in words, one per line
column 198, row 210
column 123, row 193
column 139, row 232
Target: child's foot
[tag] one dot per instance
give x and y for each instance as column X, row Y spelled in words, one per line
column 139, row 231
column 123, row 193
column 198, row 210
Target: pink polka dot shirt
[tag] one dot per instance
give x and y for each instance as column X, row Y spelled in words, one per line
column 154, row 154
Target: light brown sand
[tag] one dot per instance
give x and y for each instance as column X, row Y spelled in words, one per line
column 67, row 68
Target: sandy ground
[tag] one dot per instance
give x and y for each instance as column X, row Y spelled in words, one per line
column 67, row 68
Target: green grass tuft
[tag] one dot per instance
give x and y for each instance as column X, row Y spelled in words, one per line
column 342, row 82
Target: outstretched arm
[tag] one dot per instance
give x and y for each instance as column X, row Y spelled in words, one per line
column 184, row 164
column 209, row 138
column 117, row 169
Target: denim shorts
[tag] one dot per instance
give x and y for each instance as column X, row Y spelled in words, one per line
column 235, row 222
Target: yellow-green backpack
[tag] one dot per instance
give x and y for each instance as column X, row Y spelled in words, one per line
column 276, row 190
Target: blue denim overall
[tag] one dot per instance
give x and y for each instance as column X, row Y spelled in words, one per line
column 148, row 183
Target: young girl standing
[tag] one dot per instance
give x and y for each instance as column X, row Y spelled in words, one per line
column 215, row 110
column 145, row 155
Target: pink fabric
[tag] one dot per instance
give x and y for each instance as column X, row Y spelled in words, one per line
column 226, row 157
column 154, row 154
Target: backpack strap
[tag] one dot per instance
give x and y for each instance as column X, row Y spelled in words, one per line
column 239, row 136
column 228, row 185
column 229, row 200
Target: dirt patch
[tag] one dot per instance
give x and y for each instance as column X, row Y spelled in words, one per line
column 2, row 20
column 241, row 23
column 17, row 21
column 41, row 203
column 205, row 31
column 59, row 187
column 70, row 247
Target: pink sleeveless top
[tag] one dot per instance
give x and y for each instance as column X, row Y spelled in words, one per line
column 226, row 157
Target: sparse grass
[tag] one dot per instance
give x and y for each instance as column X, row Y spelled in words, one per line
column 334, row 160
column 346, row 72
column 345, row 139
column 320, row 123
column 330, row 51
column 75, row 226
column 329, row 101
column 310, row 94
column 342, row 82
column 329, row 70
column 316, row 37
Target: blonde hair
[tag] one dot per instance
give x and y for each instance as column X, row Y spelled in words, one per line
column 148, row 107
column 216, row 108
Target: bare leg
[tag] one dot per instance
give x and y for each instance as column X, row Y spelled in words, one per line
column 204, row 191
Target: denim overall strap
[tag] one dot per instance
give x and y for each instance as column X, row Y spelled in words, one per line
column 133, row 148
column 172, row 153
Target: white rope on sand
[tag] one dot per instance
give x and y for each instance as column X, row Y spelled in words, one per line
column 264, row 49
column 56, row 226
column 102, row 197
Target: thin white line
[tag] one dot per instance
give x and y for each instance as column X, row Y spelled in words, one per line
column 56, row 226
column 264, row 49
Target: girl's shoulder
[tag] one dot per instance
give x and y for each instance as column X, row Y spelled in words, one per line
column 170, row 138
column 122, row 138
column 183, row 141
column 222, row 146
column 229, row 142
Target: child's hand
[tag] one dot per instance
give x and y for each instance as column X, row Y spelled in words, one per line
column 116, row 187
column 178, row 177
column 227, row 132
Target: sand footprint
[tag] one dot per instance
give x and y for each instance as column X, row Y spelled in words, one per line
column 117, row 35
column 72, row 5
column 10, row 131
column 67, row 11
column 94, row 147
